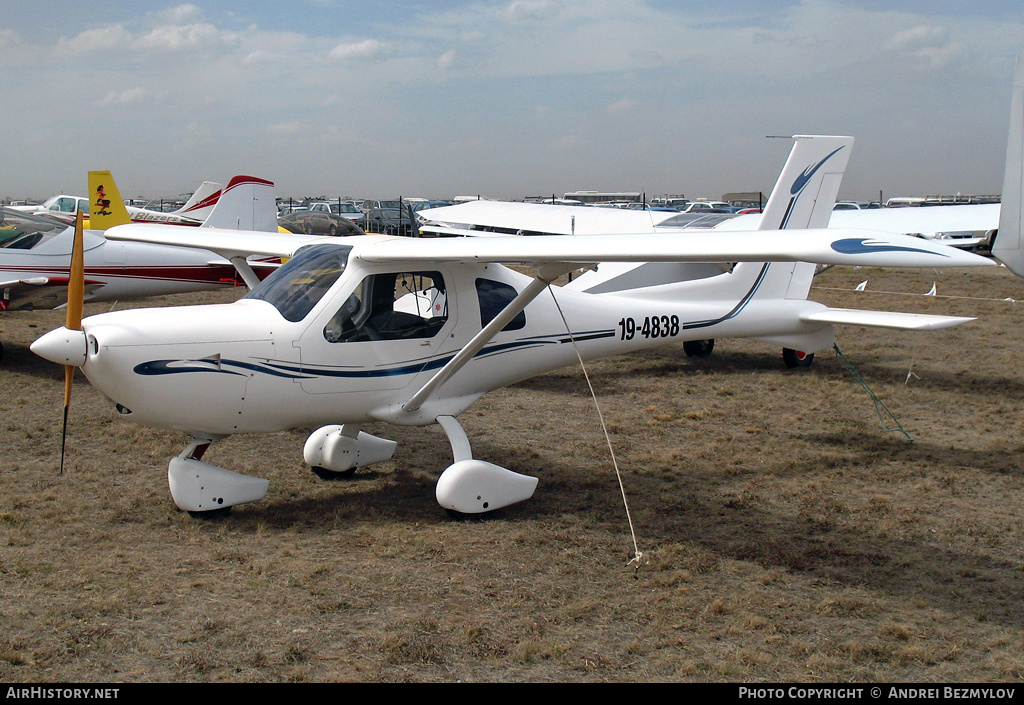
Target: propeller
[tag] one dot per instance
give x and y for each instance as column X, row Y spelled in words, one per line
column 76, row 297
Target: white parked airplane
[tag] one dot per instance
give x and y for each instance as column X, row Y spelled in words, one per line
column 196, row 209
column 35, row 251
column 413, row 331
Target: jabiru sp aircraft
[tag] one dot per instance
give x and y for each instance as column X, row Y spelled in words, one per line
column 412, row 331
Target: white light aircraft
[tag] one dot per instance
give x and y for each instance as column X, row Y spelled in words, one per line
column 195, row 211
column 35, row 251
column 413, row 331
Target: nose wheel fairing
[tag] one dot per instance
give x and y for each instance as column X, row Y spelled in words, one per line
column 198, row 486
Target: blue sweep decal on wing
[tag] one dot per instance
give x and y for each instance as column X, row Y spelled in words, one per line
column 863, row 245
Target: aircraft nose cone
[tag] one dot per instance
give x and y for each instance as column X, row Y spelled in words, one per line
column 63, row 346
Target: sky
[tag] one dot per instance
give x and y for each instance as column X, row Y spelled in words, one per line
column 503, row 99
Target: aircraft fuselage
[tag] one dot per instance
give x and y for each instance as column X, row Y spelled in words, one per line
column 246, row 367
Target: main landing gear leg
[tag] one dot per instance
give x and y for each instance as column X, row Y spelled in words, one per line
column 334, row 452
column 205, row 490
column 470, row 486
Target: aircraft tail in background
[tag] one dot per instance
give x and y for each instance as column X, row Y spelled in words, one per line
column 246, row 203
column 106, row 208
column 199, row 206
column 1007, row 245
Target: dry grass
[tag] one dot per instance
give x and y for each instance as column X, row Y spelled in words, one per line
column 786, row 534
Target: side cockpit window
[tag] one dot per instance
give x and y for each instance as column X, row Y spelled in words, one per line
column 392, row 306
column 494, row 297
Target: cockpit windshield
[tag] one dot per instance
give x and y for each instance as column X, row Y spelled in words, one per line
column 301, row 281
column 23, row 231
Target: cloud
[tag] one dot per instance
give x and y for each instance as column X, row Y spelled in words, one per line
column 358, row 50
column 288, row 128
column 930, row 45
column 530, row 11
column 532, row 71
column 446, row 60
column 181, row 37
column 8, row 38
column 182, row 14
column 125, row 97
column 622, row 106
column 91, row 40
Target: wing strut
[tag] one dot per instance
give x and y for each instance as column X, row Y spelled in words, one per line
column 248, row 275
column 546, row 274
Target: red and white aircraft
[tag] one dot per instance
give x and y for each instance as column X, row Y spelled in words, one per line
column 35, row 251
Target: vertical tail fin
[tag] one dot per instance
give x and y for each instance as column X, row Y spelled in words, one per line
column 106, row 208
column 806, row 191
column 246, row 203
column 199, row 206
column 803, row 197
column 1007, row 246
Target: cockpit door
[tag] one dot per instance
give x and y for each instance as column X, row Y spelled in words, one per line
column 379, row 335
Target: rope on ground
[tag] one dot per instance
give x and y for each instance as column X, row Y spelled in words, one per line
column 638, row 556
column 879, row 404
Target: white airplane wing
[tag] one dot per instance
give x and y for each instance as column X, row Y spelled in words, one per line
column 820, row 246
column 486, row 218
column 979, row 217
column 512, row 218
column 38, row 292
column 934, row 219
column 228, row 243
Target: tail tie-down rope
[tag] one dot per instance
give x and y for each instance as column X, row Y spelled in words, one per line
column 880, row 406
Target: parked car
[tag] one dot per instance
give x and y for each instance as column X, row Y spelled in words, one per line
column 708, row 207
column 288, row 210
column 346, row 210
column 318, row 223
column 370, row 204
column 387, row 221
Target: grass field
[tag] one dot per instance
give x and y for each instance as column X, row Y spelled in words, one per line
column 787, row 534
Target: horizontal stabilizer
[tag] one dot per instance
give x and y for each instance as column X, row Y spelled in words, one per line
column 883, row 319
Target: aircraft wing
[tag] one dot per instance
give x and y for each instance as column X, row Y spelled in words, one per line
column 226, row 243
column 511, row 218
column 819, row 246
column 482, row 218
column 38, row 292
